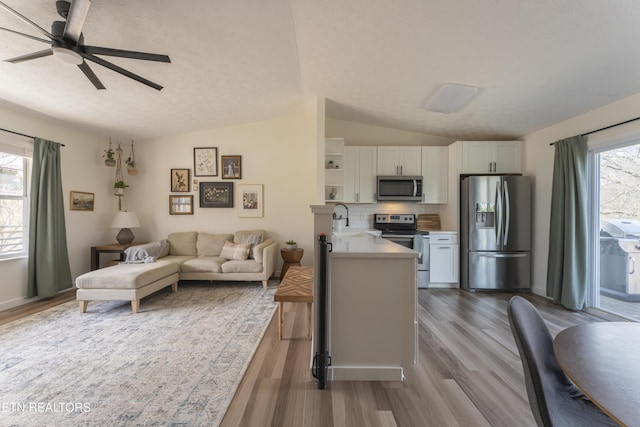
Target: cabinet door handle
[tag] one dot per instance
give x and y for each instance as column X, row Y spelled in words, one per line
column 490, row 167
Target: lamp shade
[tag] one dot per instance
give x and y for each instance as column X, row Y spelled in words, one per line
column 124, row 219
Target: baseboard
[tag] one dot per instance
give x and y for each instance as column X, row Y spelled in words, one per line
column 365, row 373
column 15, row 303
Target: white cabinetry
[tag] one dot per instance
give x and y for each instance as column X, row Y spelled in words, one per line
column 491, row 157
column 360, row 174
column 435, row 169
column 334, row 169
column 399, row 161
column 443, row 258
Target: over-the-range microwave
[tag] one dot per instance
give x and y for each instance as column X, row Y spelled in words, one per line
column 403, row 188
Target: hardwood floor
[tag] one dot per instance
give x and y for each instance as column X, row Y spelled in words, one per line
column 468, row 374
column 24, row 310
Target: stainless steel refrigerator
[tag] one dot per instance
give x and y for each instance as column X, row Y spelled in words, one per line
column 495, row 232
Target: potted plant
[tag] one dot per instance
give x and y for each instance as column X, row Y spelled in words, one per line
column 291, row 245
column 109, row 156
column 131, row 166
column 120, row 186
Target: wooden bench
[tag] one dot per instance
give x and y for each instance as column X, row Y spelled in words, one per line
column 296, row 286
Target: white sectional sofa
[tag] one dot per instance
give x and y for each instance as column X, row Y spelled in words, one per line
column 243, row 256
column 203, row 256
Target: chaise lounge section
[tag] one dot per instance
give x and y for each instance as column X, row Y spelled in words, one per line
column 128, row 282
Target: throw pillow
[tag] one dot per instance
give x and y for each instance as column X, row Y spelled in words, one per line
column 253, row 240
column 235, row 251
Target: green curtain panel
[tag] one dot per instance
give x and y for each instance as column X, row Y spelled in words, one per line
column 49, row 270
column 567, row 264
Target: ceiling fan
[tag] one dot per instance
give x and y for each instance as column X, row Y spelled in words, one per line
column 67, row 43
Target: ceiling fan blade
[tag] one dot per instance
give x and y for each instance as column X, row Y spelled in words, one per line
column 29, row 56
column 27, row 20
column 96, row 50
column 75, row 20
column 26, row 35
column 91, row 75
column 122, row 71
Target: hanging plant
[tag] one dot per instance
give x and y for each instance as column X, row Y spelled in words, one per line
column 109, row 155
column 132, row 168
column 120, row 186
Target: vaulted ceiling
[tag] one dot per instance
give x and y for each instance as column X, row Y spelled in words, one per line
column 536, row 62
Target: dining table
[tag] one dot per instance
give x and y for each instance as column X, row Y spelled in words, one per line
column 603, row 360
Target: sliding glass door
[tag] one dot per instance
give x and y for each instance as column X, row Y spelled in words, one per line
column 615, row 237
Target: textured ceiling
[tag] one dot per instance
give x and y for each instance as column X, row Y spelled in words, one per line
column 536, row 62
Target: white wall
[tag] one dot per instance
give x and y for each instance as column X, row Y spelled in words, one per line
column 363, row 134
column 280, row 154
column 83, row 170
column 539, row 157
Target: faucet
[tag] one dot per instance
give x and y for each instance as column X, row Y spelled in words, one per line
column 347, row 208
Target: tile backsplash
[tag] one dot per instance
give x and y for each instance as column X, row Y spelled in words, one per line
column 361, row 215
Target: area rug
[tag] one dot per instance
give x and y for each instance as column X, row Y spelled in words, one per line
column 177, row 362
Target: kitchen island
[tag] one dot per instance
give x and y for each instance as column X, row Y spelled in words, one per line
column 372, row 314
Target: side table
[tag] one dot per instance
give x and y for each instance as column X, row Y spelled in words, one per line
column 111, row 248
column 291, row 257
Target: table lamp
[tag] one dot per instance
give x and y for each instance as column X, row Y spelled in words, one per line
column 124, row 221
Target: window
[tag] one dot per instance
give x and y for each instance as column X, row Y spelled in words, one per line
column 13, row 205
column 614, row 181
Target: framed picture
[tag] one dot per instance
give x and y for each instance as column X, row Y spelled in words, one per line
column 205, row 161
column 180, row 179
column 81, row 201
column 216, row 194
column 180, row 205
column 251, row 204
column 231, row 167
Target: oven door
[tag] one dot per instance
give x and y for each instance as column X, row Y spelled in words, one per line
column 403, row 240
column 406, row 240
column 423, row 258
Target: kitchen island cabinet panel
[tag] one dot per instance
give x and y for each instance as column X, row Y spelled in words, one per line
column 373, row 316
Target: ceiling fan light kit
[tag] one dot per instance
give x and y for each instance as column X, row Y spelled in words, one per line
column 67, row 43
column 451, row 97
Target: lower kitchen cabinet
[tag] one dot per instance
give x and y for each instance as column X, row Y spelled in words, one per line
column 443, row 258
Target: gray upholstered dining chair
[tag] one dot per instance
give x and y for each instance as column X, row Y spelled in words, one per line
column 554, row 399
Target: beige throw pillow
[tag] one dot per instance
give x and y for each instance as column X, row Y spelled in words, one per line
column 235, row 251
column 253, row 240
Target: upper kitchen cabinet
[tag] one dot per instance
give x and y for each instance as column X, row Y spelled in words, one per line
column 435, row 168
column 399, row 161
column 360, row 174
column 334, row 169
column 491, row 157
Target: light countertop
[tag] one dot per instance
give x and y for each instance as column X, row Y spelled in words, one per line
column 363, row 244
